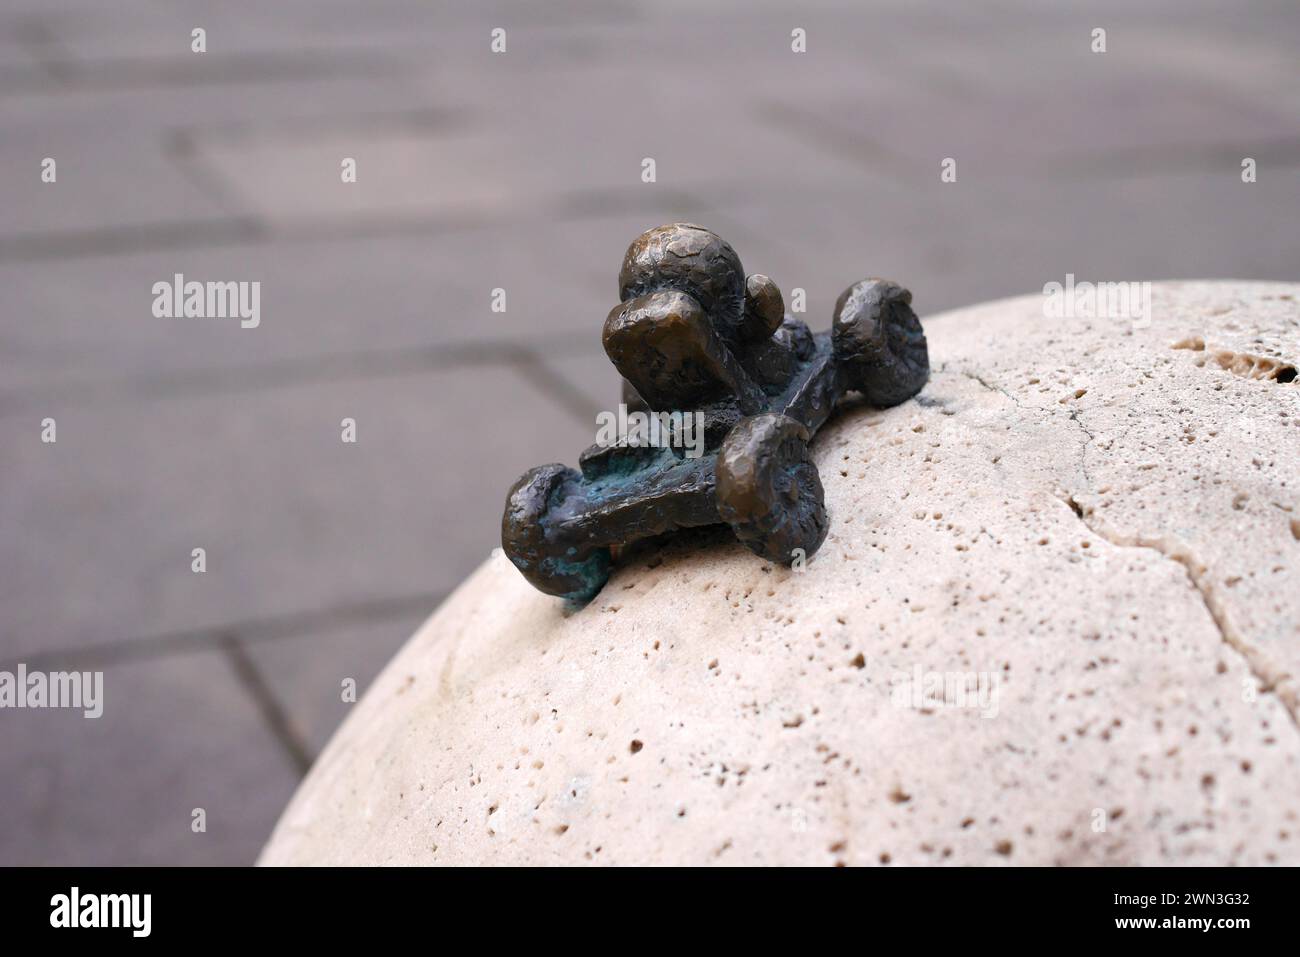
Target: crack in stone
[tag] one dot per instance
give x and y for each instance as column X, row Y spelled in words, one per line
column 1089, row 440
column 1273, row 678
column 976, row 377
column 1089, row 437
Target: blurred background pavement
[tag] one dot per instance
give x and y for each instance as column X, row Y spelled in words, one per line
column 475, row 171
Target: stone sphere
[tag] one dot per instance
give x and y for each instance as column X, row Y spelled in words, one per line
column 1055, row 621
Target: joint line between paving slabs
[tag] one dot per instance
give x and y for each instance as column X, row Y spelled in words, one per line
column 268, row 705
column 574, row 400
column 250, row 631
column 274, row 374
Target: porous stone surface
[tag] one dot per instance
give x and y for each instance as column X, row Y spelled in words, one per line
column 1096, row 523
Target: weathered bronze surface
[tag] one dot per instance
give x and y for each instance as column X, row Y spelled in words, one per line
column 694, row 333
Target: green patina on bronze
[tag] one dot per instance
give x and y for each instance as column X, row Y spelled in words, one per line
column 693, row 332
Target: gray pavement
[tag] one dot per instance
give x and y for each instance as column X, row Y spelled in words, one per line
column 477, row 171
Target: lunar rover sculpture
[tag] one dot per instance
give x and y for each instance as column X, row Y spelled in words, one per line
column 694, row 333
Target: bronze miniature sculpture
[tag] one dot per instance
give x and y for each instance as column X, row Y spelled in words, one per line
column 694, row 333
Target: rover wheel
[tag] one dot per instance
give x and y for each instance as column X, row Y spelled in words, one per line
column 528, row 538
column 879, row 340
column 768, row 488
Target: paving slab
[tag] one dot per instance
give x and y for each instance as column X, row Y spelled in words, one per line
column 100, row 525
column 156, row 115
column 103, row 180
column 176, row 733
column 242, row 27
column 527, row 148
column 90, row 319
